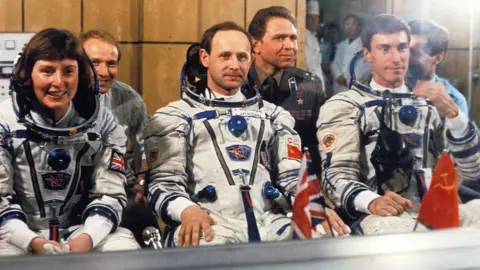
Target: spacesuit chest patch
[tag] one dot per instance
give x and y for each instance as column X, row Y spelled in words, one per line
column 117, row 162
column 56, row 180
column 413, row 140
column 239, row 152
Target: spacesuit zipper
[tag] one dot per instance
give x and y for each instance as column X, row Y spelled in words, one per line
column 34, row 178
column 253, row 171
column 426, row 136
column 219, row 153
column 76, row 177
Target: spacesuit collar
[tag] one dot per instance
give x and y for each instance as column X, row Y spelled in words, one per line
column 235, row 98
column 402, row 89
column 61, row 123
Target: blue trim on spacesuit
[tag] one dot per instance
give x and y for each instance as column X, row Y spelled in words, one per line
column 102, row 210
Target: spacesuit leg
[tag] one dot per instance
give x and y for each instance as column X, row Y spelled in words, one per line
column 121, row 239
column 470, row 214
column 378, row 225
column 7, row 249
column 277, row 227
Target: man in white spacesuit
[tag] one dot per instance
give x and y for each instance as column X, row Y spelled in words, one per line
column 380, row 140
column 221, row 157
column 61, row 157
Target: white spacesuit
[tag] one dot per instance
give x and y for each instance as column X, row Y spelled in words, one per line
column 69, row 174
column 223, row 155
column 367, row 150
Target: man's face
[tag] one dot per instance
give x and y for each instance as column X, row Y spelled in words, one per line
column 422, row 64
column 278, row 47
column 389, row 55
column 229, row 59
column 351, row 27
column 312, row 22
column 104, row 56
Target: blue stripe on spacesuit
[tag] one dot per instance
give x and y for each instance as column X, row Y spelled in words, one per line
column 283, row 228
column 103, row 210
column 12, row 214
column 465, row 139
column 253, row 233
column 466, row 153
column 289, row 172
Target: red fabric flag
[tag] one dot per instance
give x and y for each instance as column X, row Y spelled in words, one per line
column 439, row 209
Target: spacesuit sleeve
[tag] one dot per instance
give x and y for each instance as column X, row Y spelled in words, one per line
column 339, row 133
column 287, row 150
column 166, row 149
column 465, row 148
column 108, row 175
column 12, row 217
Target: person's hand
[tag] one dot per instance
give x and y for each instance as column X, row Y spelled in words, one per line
column 438, row 95
column 391, row 204
column 194, row 222
column 138, row 190
column 81, row 243
column 341, row 80
column 337, row 223
column 38, row 245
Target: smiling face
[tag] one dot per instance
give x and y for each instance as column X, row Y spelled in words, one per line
column 278, row 47
column 389, row 55
column 55, row 83
column 104, row 57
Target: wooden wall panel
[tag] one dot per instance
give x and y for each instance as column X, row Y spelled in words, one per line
column 301, row 18
column 128, row 71
column 40, row 14
column 216, row 11
column 10, row 16
column 161, row 67
column 118, row 17
column 254, row 5
column 167, row 20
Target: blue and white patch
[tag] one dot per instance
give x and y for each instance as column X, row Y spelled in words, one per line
column 240, row 172
column 292, row 82
column 56, row 180
column 413, row 140
column 239, row 152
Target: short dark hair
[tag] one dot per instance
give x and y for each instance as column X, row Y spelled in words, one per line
column 258, row 24
column 207, row 37
column 102, row 35
column 383, row 24
column 437, row 36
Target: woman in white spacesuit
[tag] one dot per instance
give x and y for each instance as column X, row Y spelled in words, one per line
column 62, row 170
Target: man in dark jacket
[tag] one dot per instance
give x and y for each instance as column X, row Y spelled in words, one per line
column 298, row 91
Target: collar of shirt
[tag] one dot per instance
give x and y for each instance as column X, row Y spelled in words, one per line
column 262, row 76
column 402, row 89
column 235, row 98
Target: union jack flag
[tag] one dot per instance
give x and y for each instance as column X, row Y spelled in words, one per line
column 117, row 162
column 308, row 207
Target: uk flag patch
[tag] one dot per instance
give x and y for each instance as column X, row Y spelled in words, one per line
column 117, row 162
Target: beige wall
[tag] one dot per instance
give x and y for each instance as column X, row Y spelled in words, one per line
column 154, row 34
